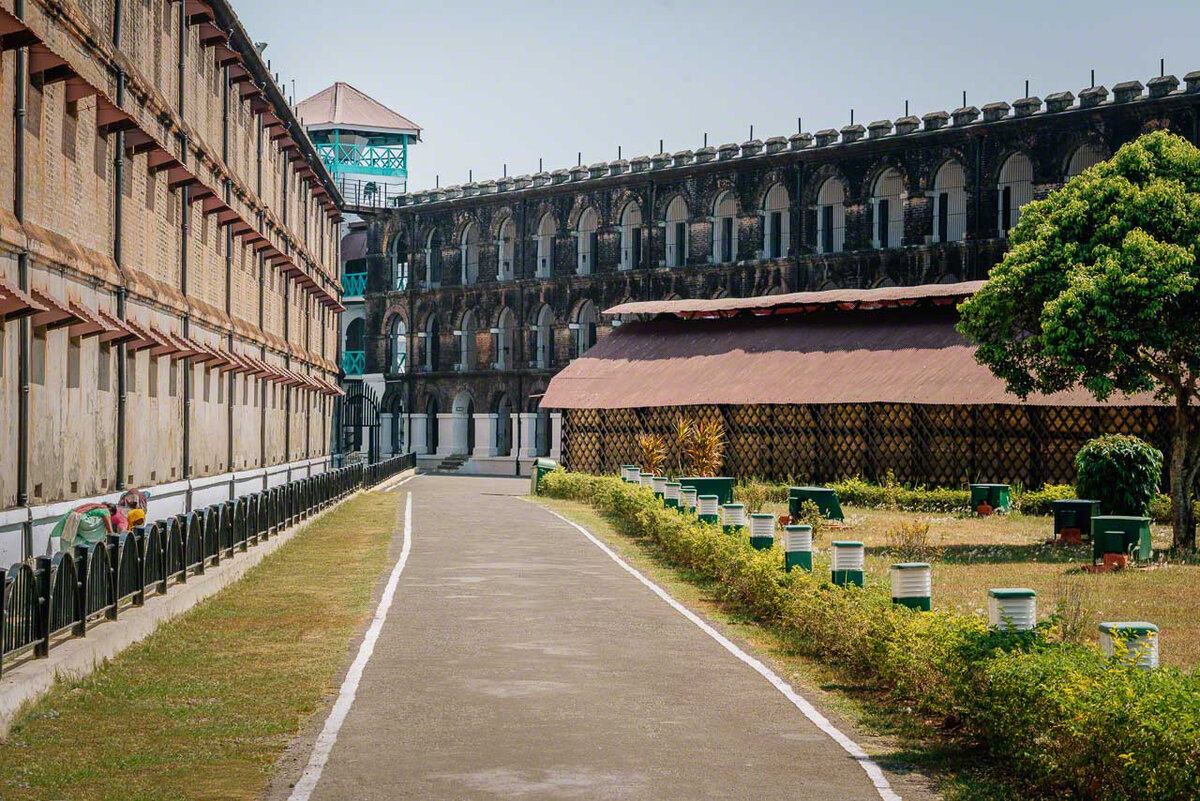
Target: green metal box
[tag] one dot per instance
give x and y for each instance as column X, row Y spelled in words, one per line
column 825, row 498
column 540, row 468
column 1121, row 534
column 717, row 485
column 997, row 496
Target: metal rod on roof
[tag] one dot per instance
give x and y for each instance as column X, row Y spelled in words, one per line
column 751, row 133
column 706, row 138
column 964, row 105
column 539, row 164
column 506, row 169
column 799, row 125
column 1162, row 67
column 1093, row 79
column 660, row 146
column 618, row 152
column 851, row 116
column 905, row 108
column 437, row 181
column 470, row 176
column 1026, row 87
column 579, row 159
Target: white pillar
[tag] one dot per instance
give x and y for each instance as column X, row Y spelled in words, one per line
column 452, row 434
column 387, row 423
column 419, row 433
column 525, row 434
column 485, row 434
column 556, row 436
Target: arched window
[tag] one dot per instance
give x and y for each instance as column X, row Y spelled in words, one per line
column 776, row 224
column 587, row 242
column 950, row 203
column 725, row 228
column 887, row 200
column 400, row 264
column 1086, row 155
column 354, row 355
column 398, row 345
column 431, row 424
column 433, row 259
column 677, row 233
column 1015, row 189
column 503, row 409
column 504, row 340
column 354, row 335
column 470, row 254
column 431, row 345
column 467, row 357
column 831, row 216
column 584, row 328
column 506, row 244
column 545, row 246
column 543, row 339
column 631, row 236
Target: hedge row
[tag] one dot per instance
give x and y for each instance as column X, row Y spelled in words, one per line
column 1061, row 720
column 856, row 492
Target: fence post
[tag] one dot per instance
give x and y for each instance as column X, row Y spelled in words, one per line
column 3, row 626
column 112, row 547
column 163, row 546
column 42, row 574
column 80, row 555
column 139, row 540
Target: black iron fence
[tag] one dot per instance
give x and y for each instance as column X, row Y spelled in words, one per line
column 53, row 598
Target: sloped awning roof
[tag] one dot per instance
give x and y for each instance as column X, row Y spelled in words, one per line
column 890, row 356
column 343, row 106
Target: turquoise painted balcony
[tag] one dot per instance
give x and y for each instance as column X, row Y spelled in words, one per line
column 354, row 284
column 354, row 362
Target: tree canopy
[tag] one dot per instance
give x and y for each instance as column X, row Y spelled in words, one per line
column 1101, row 289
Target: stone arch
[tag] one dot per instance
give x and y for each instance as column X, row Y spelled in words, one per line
column 1086, row 151
column 768, row 181
column 881, row 167
column 498, row 218
column 812, row 186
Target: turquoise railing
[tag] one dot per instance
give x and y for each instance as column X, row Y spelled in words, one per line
column 354, row 284
column 389, row 160
column 354, row 362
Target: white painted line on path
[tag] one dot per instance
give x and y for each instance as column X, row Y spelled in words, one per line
column 329, row 734
column 395, row 486
column 873, row 771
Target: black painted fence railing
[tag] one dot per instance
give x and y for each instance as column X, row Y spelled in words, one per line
column 53, row 598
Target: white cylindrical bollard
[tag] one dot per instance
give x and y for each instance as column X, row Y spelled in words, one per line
column 733, row 515
column 629, row 472
column 1012, row 608
column 1133, row 643
column 912, row 585
column 849, row 559
column 671, row 494
column 646, row 479
column 762, row 531
column 708, row 508
column 798, row 547
column 659, row 485
column 687, row 498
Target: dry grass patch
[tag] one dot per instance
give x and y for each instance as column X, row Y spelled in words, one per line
column 204, row 706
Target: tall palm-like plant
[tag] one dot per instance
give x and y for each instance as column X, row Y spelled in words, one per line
column 654, row 452
column 706, row 452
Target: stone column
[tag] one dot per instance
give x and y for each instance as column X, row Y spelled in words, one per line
column 485, row 434
column 419, row 434
column 448, row 434
column 387, row 423
column 556, row 436
column 525, row 434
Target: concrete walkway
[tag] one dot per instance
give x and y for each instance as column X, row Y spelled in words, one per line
column 519, row 661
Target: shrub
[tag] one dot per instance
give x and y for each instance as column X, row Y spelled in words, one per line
column 1121, row 472
column 910, row 542
column 1061, row 719
column 1037, row 502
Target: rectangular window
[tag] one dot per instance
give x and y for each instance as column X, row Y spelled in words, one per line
column 130, row 372
column 594, row 249
column 943, row 216
column 37, row 356
column 882, row 210
column 207, row 379
column 152, row 382
column 727, row 239
column 104, row 366
column 827, row 229
column 173, row 379
column 1006, row 209
column 637, row 247
column 680, row 243
column 73, row 348
column 775, row 249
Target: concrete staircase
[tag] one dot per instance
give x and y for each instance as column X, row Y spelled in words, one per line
column 451, row 463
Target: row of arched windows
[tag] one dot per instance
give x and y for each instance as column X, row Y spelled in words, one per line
column 539, row 353
column 888, row 196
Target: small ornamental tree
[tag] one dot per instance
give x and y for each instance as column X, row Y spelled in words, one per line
column 1101, row 289
column 1121, row 472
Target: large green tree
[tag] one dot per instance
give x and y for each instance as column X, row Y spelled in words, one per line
column 1101, row 289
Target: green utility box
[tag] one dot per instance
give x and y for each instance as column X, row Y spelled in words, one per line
column 1076, row 514
column 825, row 498
column 540, row 468
column 719, row 486
column 1121, row 534
column 997, row 496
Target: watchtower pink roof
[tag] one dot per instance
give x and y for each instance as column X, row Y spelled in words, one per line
column 343, row 106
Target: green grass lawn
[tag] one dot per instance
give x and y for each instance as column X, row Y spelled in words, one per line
column 972, row 554
column 204, row 706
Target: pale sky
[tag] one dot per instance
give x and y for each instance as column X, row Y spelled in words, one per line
column 494, row 83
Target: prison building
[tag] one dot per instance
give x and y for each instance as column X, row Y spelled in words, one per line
column 505, row 278
column 169, row 281
column 821, row 386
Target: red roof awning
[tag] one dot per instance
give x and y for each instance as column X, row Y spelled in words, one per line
column 89, row 324
column 15, row 303
column 56, row 315
column 118, row 330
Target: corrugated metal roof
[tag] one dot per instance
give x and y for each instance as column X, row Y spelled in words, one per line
column 898, row 356
column 343, row 106
column 796, row 302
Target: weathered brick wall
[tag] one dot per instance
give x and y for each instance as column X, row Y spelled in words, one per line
column 229, row 299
